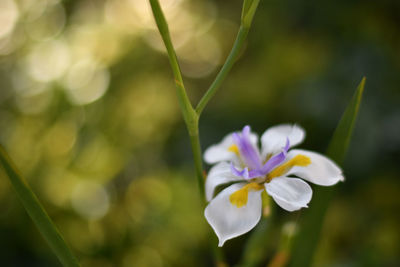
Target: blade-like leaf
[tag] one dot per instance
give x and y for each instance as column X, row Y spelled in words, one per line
column 341, row 138
column 311, row 222
column 37, row 212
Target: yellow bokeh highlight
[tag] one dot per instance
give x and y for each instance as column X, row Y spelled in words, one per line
column 9, row 15
column 60, row 138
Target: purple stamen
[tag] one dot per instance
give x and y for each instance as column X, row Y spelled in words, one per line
column 276, row 160
column 249, row 154
column 249, row 157
column 243, row 173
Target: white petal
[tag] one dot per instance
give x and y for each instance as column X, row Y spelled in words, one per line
column 220, row 152
column 289, row 193
column 218, row 175
column 321, row 171
column 229, row 221
column 274, row 138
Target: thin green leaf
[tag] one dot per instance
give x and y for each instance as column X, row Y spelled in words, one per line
column 37, row 212
column 311, row 222
column 341, row 139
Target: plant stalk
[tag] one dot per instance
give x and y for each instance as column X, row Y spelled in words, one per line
column 197, row 157
column 37, row 213
column 248, row 11
column 231, row 59
column 189, row 114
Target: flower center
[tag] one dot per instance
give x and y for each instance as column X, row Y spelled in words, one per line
column 239, row 198
column 251, row 158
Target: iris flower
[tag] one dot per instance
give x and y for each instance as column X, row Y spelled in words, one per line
column 239, row 162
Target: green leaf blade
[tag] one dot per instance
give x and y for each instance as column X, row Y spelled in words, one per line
column 37, row 212
column 306, row 241
column 341, row 138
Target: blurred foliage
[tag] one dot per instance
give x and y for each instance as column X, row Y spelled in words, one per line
column 88, row 112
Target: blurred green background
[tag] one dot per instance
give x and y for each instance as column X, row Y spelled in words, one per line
column 89, row 114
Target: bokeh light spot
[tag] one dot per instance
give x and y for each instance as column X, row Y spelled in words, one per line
column 90, row 200
column 34, row 103
column 48, row 60
column 60, row 138
column 143, row 256
column 200, row 56
column 9, row 14
column 48, row 25
column 86, row 82
column 145, row 196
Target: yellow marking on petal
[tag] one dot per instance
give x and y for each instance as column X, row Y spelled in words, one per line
column 299, row 160
column 234, row 148
column 239, row 198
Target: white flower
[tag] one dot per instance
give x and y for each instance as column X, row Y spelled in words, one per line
column 237, row 208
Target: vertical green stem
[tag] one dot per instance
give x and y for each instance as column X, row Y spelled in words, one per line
column 188, row 112
column 37, row 212
column 197, row 156
column 190, row 115
column 256, row 248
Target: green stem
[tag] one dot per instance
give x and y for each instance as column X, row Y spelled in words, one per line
column 240, row 39
column 190, row 115
column 37, row 212
column 188, row 112
column 257, row 248
column 197, row 156
column 248, row 11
